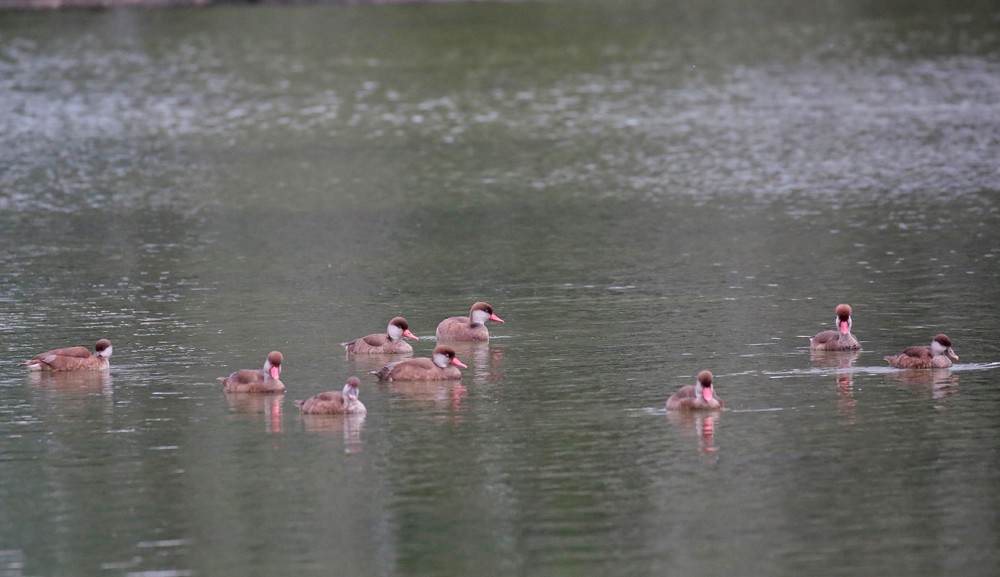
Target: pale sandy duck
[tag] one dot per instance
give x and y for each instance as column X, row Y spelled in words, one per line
column 440, row 367
column 699, row 396
column 389, row 343
column 840, row 339
column 470, row 328
column 265, row 380
column 335, row 402
column 932, row 357
column 73, row 359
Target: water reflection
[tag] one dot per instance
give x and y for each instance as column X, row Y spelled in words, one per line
column 939, row 383
column 444, row 395
column 700, row 424
column 81, row 383
column 843, row 361
column 370, row 364
column 259, row 404
column 604, row 243
column 349, row 425
column 485, row 362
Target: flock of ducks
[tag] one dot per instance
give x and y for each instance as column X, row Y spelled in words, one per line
column 444, row 364
column 441, row 366
column 701, row 395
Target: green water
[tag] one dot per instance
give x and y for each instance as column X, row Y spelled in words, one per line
column 642, row 190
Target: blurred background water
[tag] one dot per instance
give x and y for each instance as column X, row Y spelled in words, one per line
column 642, row 190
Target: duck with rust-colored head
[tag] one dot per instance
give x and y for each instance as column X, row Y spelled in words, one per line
column 440, row 367
column 264, row 380
column 840, row 339
column 470, row 328
column 335, row 402
column 933, row 357
column 699, row 396
column 391, row 342
column 72, row 359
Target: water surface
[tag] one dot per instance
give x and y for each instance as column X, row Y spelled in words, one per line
column 642, row 190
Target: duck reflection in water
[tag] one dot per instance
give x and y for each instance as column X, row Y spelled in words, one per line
column 81, row 383
column 699, row 424
column 371, row 363
column 443, row 395
column 267, row 405
column 940, row 383
column 348, row 424
column 843, row 362
column 485, row 361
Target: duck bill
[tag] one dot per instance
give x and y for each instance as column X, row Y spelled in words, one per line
column 707, row 394
column 410, row 335
column 845, row 328
column 459, row 363
column 275, row 372
column 952, row 354
column 493, row 317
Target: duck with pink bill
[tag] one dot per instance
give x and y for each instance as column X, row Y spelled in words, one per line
column 933, row 357
column 840, row 339
column 264, row 380
column 699, row 396
column 390, row 342
column 442, row 366
column 470, row 328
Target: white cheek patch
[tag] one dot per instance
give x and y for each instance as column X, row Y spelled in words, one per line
column 106, row 353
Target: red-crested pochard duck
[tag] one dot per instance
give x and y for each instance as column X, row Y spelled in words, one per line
column 389, row 343
column 470, row 328
column 932, row 357
column 73, row 359
column 440, row 367
column 334, row 402
column 698, row 396
column 257, row 381
column 840, row 339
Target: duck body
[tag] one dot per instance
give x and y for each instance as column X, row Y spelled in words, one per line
column 390, row 342
column 840, row 339
column 73, row 359
column 470, row 328
column 442, row 366
column 699, row 396
column 919, row 357
column 265, row 380
column 335, row 402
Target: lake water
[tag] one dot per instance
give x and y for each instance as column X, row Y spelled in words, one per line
column 642, row 190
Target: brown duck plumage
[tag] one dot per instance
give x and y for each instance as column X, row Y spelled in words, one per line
column 265, row 380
